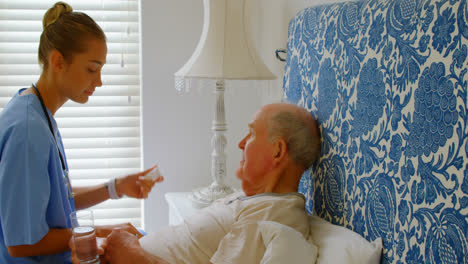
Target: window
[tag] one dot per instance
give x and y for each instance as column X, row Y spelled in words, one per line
column 101, row 137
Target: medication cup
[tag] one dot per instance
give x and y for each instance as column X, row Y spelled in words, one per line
column 153, row 174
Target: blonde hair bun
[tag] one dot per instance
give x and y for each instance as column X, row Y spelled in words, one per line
column 55, row 12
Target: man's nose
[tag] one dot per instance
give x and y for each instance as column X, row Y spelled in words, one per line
column 241, row 144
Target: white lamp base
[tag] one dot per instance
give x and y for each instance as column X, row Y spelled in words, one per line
column 204, row 196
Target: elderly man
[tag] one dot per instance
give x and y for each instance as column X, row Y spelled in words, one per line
column 282, row 142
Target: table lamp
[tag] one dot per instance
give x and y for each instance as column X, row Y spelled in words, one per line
column 225, row 52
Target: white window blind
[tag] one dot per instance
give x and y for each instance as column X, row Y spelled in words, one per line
column 101, row 137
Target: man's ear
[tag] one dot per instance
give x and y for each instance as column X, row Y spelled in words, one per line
column 280, row 150
column 56, row 61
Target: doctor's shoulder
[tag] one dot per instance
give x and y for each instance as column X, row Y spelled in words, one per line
column 21, row 120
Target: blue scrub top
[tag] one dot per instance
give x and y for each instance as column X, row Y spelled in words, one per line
column 33, row 190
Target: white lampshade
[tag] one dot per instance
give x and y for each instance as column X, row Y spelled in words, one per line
column 225, row 50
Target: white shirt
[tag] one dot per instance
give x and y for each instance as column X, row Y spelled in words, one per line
column 227, row 231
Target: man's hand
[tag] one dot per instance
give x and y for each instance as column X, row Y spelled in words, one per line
column 105, row 230
column 136, row 185
column 101, row 244
column 123, row 247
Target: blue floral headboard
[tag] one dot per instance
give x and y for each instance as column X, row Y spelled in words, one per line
column 387, row 81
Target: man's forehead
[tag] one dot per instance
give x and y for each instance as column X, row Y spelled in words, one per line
column 261, row 115
column 258, row 123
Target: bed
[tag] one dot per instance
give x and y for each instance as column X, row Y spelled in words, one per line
column 387, row 82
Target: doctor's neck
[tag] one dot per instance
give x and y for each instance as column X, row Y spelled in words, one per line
column 50, row 93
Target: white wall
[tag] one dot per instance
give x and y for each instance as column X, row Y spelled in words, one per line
column 176, row 127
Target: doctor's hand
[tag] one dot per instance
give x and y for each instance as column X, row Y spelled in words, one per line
column 136, row 185
column 101, row 244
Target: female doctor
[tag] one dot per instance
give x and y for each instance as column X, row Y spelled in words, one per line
column 36, row 198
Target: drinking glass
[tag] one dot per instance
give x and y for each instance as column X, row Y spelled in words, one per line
column 84, row 236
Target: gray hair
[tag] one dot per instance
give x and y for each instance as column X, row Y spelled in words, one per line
column 301, row 133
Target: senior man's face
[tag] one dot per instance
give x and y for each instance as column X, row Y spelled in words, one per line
column 257, row 155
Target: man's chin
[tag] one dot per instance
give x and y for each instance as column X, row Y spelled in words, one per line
column 248, row 192
column 239, row 173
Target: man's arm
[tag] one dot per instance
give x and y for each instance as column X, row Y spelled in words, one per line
column 147, row 258
column 54, row 242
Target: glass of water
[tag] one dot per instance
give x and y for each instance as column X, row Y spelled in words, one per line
column 84, row 236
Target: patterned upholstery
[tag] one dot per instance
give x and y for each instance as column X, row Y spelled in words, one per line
column 387, row 81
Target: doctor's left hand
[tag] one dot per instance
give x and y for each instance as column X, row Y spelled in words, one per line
column 101, row 244
column 136, row 185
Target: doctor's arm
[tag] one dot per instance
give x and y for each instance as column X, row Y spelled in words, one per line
column 133, row 185
column 54, row 242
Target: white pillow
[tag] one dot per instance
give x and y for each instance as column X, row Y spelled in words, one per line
column 285, row 245
column 338, row 244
